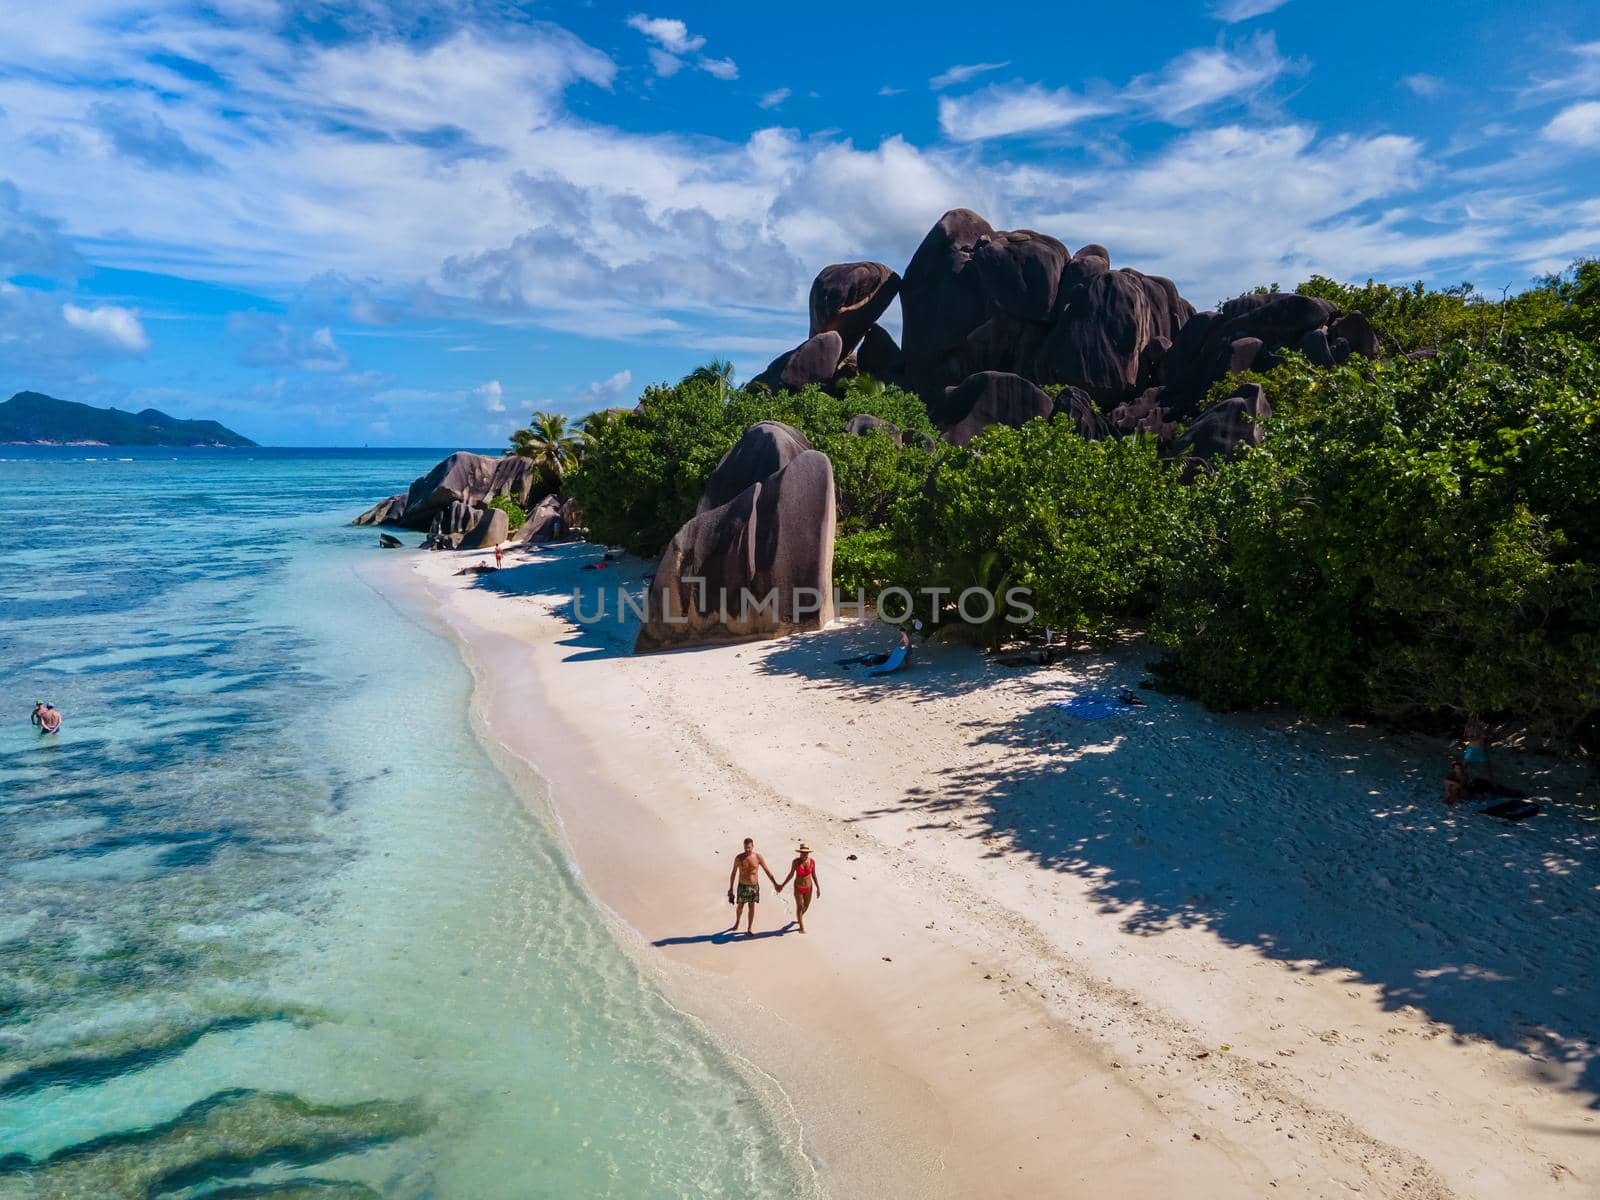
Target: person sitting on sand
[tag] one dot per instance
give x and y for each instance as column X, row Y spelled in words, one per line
column 48, row 718
column 1475, row 752
column 1456, row 787
column 803, row 870
column 748, row 884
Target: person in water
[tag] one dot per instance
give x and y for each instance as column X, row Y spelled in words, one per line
column 47, row 717
column 744, row 885
column 803, row 870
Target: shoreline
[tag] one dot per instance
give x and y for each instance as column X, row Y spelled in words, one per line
column 982, row 1021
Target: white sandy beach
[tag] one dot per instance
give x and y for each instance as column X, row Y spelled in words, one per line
column 1165, row 954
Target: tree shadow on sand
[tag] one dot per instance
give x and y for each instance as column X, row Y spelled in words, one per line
column 1324, row 847
column 593, row 602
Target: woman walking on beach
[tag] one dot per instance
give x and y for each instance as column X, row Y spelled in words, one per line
column 803, row 870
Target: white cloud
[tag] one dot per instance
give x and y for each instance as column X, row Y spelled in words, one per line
column 492, row 395
column 273, row 342
column 1201, row 79
column 724, row 69
column 997, row 112
column 1426, row 86
column 774, row 98
column 666, row 65
column 603, row 393
column 886, row 90
column 671, row 34
column 962, row 73
column 1576, row 125
column 118, row 328
column 1234, row 11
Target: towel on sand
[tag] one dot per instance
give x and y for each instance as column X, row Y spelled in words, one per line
column 1093, row 706
column 896, row 660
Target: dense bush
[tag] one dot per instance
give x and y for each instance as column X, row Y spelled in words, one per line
column 1412, row 538
column 512, row 509
column 643, row 473
column 1085, row 528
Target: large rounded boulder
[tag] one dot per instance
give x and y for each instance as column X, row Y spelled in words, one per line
column 762, row 450
column 1020, row 272
column 941, row 301
column 1223, row 430
column 848, row 298
column 759, row 565
column 989, row 398
column 815, row 360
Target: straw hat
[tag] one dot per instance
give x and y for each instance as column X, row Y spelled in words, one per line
column 802, row 848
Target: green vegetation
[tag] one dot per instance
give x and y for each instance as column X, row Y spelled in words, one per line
column 1417, row 538
column 643, row 471
column 550, row 444
column 512, row 510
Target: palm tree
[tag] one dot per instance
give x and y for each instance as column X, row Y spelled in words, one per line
column 718, row 371
column 599, row 424
column 549, row 442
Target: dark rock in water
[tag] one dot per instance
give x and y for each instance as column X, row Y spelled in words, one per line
column 848, row 297
column 815, row 360
column 388, row 541
column 764, row 449
column 865, row 423
column 1077, row 406
column 989, row 398
column 493, row 527
column 1218, row 432
column 758, row 565
column 1354, row 328
column 879, row 355
column 1020, row 272
column 227, row 1134
column 463, row 478
column 384, row 512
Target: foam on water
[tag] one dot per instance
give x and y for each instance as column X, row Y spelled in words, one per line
column 267, row 912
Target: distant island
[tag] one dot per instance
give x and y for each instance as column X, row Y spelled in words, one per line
column 34, row 419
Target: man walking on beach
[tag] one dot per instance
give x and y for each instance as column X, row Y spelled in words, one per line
column 744, row 885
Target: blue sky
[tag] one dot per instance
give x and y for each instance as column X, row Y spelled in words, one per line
column 357, row 223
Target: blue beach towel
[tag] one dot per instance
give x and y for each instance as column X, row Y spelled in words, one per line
column 896, row 660
column 1093, row 707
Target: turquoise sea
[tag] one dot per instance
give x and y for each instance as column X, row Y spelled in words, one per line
column 271, row 923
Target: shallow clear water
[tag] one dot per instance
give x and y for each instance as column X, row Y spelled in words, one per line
column 268, row 915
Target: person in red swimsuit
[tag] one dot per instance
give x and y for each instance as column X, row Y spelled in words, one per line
column 803, row 870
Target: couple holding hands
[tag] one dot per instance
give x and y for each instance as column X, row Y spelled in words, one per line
column 744, row 886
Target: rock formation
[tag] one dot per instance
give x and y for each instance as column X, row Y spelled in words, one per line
column 758, row 563
column 463, row 478
column 815, row 360
column 1218, row 432
column 491, row 528
column 979, row 302
column 848, row 298
column 989, row 398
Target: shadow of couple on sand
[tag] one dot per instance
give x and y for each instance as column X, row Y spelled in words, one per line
column 725, row 937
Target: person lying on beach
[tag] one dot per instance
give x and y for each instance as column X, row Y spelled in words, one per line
column 803, row 870
column 876, row 660
column 48, row 718
column 744, row 885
